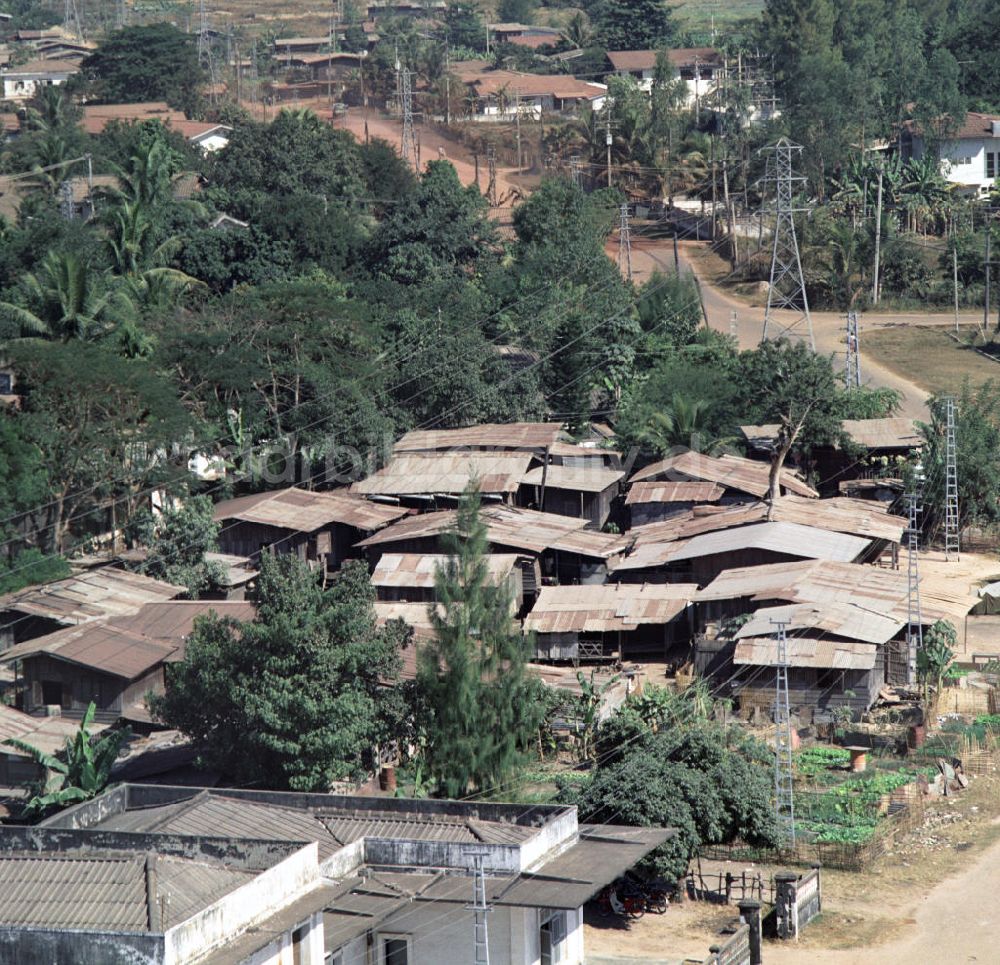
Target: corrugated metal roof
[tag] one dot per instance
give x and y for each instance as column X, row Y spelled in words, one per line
column 810, row 581
column 104, row 892
column 577, row 450
column 733, row 472
column 48, row 734
column 509, row 526
column 96, row 593
column 608, row 607
column 305, row 511
column 417, row 570
column 839, row 514
column 215, row 815
column 585, row 479
column 513, row 435
column 422, row 473
column 791, row 539
column 841, row 619
column 129, row 646
column 673, row 492
column 817, row 652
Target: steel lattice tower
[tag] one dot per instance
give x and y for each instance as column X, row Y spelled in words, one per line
column 479, row 908
column 408, row 147
column 852, row 372
column 787, row 290
column 951, row 528
column 784, row 797
column 624, row 243
column 914, row 621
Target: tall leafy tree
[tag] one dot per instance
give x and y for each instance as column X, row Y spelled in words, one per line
column 176, row 541
column 632, row 24
column 792, row 386
column 482, row 708
column 146, row 62
column 298, row 698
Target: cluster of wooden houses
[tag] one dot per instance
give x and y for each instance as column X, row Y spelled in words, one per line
column 681, row 562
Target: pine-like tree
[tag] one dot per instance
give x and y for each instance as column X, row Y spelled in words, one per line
column 482, row 708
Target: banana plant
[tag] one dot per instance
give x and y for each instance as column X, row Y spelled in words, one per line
column 83, row 771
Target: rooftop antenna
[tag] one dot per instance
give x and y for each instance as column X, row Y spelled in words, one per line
column 784, row 798
column 952, row 538
column 787, row 288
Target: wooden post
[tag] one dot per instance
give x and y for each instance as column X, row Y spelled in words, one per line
column 954, row 270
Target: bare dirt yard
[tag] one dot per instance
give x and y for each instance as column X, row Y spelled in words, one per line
column 932, row 899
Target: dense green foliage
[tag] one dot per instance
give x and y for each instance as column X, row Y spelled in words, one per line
column 667, row 764
column 152, row 62
column 480, row 710
column 295, row 699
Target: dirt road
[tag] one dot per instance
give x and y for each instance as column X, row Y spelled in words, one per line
column 953, row 923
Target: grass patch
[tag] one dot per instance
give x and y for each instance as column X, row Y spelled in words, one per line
column 928, row 357
column 697, row 14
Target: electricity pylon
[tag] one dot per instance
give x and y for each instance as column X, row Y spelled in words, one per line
column 786, row 291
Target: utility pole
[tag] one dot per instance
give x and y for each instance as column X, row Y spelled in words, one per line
column 479, row 909
column 784, row 796
column 787, row 288
column 517, row 124
column 624, row 243
column 852, row 372
column 409, row 141
column 878, row 239
column 574, row 169
column 734, row 326
column 608, row 140
column 986, row 305
column 491, row 168
column 914, row 621
column 447, row 84
column 954, row 272
column 951, row 528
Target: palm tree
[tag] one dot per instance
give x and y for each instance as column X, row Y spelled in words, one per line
column 683, row 423
column 65, row 300
column 83, row 774
column 578, row 31
column 48, row 157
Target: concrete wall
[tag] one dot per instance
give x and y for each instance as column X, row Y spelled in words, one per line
column 282, row 951
column 232, row 914
column 442, row 934
column 39, row 946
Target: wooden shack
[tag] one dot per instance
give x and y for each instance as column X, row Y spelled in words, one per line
column 742, row 480
column 558, row 548
column 653, row 502
column 92, row 594
column 113, row 662
column 318, row 527
column 586, row 492
column 613, row 621
column 410, row 577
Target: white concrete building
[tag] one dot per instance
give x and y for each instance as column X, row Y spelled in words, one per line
column 390, row 879
column 699, row 68
column 22, row 83
column 970, row 158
